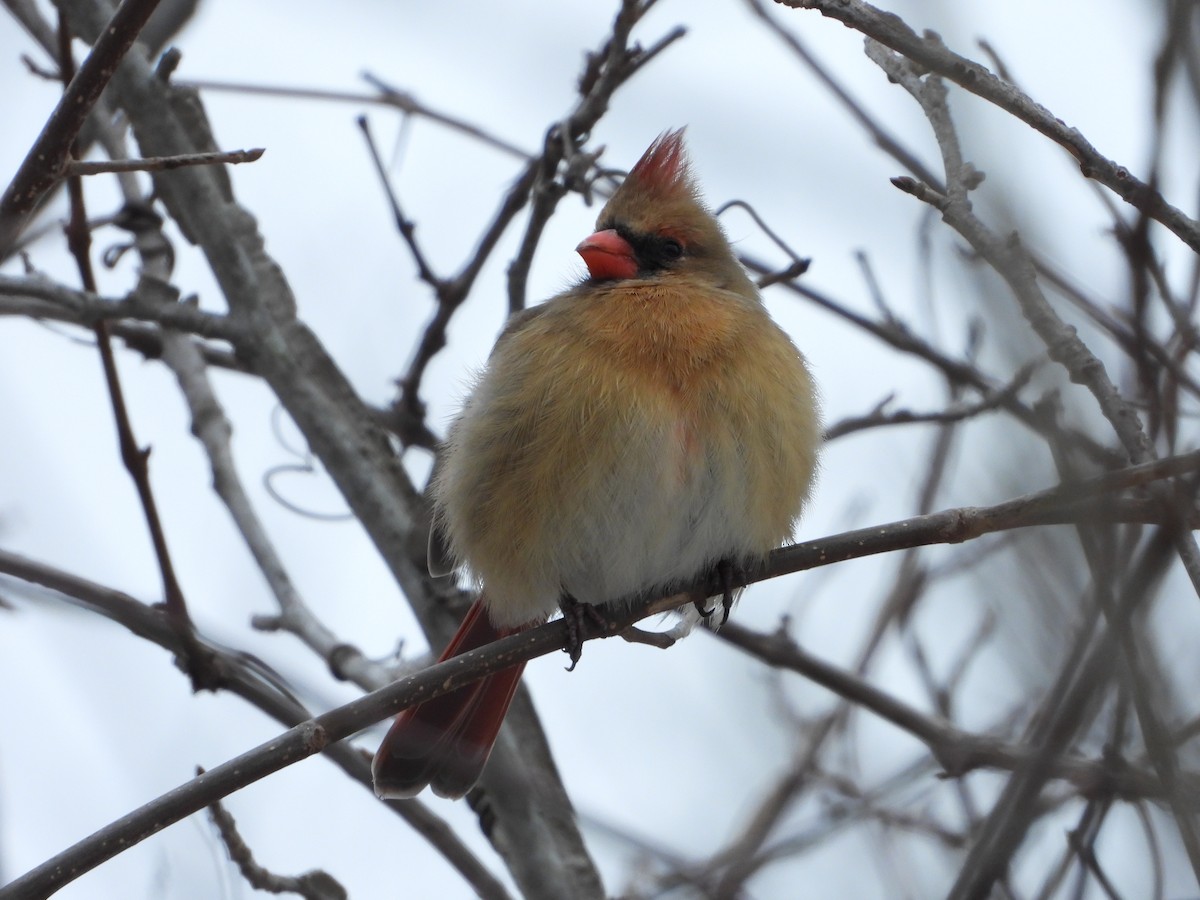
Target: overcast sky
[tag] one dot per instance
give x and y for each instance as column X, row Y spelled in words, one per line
column 96, row 723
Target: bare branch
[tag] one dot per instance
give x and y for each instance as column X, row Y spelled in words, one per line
column 386, row 95
column 958, row 412
column 43, row 299
column 248, row 678
column 314, row 885
column 161, row 163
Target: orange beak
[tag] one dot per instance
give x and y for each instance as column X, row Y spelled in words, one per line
column 608, row 256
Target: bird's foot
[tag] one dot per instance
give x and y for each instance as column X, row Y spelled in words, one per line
column 729, row 573
column 574, row 614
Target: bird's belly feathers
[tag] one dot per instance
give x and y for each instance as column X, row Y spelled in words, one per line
column 667, row 517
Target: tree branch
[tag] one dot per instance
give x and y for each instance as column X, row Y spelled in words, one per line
column 161, row 163
column 247, row 677
column 930, row 53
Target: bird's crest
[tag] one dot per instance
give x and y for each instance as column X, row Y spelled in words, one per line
column 663, row 168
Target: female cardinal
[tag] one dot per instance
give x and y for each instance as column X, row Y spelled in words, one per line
column 634, row 432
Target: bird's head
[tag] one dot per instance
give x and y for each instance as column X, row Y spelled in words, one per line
column 656, row 225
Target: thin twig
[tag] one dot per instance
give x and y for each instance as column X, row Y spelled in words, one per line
column 313, row 885
column 403, row 224
column 161, row 163
column 386, row 95
column 880, row 417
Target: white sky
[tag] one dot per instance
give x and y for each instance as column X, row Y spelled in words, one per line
column 96, row 723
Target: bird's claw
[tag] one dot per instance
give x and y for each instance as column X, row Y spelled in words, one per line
column 574, row 613
column 729, row 573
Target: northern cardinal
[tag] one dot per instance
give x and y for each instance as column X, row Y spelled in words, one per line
column 636, row 431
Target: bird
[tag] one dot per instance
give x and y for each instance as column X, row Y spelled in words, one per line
column 638, row 431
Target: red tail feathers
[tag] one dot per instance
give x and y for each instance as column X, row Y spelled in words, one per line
column 445, row 742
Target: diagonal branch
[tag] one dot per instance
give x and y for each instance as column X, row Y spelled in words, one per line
column 245, row 677
column 930, row 53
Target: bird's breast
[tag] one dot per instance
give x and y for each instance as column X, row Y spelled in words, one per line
column 662, row 336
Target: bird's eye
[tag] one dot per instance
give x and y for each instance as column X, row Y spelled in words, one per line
column 671, row 248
